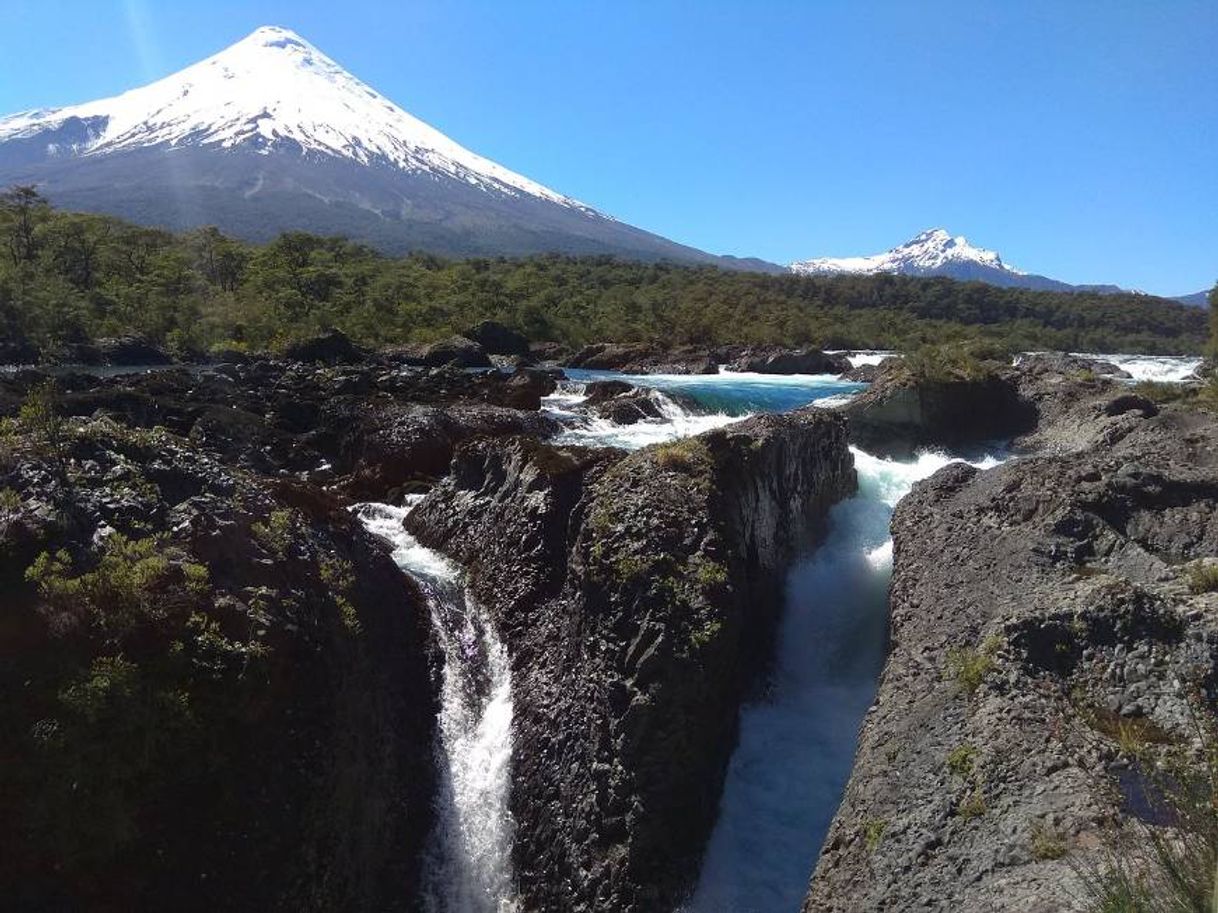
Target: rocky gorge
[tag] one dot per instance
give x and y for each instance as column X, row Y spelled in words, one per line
column 196, row 598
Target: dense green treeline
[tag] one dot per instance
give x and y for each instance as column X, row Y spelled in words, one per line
column 68, row 276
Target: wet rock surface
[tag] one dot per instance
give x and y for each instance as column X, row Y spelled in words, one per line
column 638, row 596
column 1036, row 610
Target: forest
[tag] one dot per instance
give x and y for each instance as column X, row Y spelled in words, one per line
column 71, row 277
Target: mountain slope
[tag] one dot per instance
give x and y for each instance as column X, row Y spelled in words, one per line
column 1196, row 299
column 272, row 135
column 936, row 252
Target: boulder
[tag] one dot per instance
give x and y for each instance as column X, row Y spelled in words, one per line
column 642, row 358
column 389, row 447
column 901, row 414
column 777, row 360
column 456, row 352
column 130, row 350
column 497, row 339
column 638, row 597
column 331, row 347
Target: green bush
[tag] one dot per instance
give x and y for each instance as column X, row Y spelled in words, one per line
column 1147, row 868
column 969, row 666
column 134, row 581
column 1202, row 577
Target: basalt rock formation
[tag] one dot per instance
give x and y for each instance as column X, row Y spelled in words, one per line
column 1040, row 612
column 902, row 413
column 777, row 360
column 638, row 596
column 373, row 426
column 642, row 358
column 216, row 689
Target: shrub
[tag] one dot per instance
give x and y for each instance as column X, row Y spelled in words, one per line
column 707, row 573
column 972, row 360
column 970, row 666
column 972, row 806
column 10, row 501
column 276, row 534
column 684, row 455
column 704, row 635
column 961, row 760
column 1202, row 577
column 873, row 833
column 39, row 415
column 134, row 580
column 1146, row 868
column 1047, row 843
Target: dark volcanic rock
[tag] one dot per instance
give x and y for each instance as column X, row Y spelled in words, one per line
column 642, row 358
column 18, row 351
column 900, row 414
column 628, row 408
column 130, row 350
column 638, row 596
column 216, row 691
column 456, row 351
column 331, row 347
column 601, row 391
column 863, row 374
column 777, row 360
column 1036, row 610
column 385, row 448
column 498, row 339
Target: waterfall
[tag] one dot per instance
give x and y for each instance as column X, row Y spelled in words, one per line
column 797, row 745
column 468, row 864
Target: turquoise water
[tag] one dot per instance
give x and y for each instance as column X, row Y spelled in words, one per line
column 736, row 393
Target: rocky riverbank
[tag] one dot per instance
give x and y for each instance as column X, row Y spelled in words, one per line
column 1044, row 614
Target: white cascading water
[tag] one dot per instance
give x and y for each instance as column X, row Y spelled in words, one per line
column 1169, row 369
column 468, row 869
column 797, row 744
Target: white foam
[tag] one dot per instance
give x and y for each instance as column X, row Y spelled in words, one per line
column 468, row 868
column 796, row 746
column 1161, row 368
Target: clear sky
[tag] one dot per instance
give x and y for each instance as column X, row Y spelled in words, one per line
column 1078, row 138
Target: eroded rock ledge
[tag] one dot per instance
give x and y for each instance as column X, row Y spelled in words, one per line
column 638, row 595
column 1035, row 609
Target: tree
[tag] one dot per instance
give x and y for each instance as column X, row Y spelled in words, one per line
column 1214, row 321
column 22, row 209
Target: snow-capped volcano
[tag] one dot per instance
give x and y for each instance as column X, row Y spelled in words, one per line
column 933, row 252
column 936, row 252
column 269, row 135
column 272, row 91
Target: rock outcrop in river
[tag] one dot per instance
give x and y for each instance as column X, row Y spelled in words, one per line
column 638, row 596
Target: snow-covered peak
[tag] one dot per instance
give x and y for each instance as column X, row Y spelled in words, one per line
column 933, row 250
column 273, row 91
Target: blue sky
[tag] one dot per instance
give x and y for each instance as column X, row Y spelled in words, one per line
column 1080, row 139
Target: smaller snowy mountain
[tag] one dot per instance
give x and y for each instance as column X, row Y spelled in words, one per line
column 936, row 252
